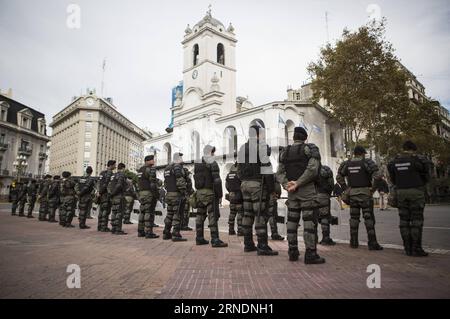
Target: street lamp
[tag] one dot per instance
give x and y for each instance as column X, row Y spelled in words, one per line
column 20, row 163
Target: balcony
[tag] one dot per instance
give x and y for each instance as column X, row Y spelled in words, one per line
column 3, row 147
column 42, row 156
column 4, row 173
column 25, row 151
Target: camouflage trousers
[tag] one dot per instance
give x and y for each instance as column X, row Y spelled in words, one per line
column 14, row 206
column 31, row 201
column 185, row 217
column 52, row 207
column 84, row 205
column 43, row 209
column 104, row 212
column 273, row 214
column 22, row 203
column 129, row 204
column 324, row 214
column 236, row 213
column 362, row 204
column 67, row 209
column 117, row 210
column 251, row 193
column 173, row 216
column 205, row 207
column 304, row 207
column 411, row 204
column 147, row 212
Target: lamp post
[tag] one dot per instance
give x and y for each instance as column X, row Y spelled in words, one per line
column 20, row 163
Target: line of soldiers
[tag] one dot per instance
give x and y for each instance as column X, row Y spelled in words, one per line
column 253, row 191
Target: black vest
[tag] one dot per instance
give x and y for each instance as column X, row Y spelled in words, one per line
column 252, row 171
column 202, row 176
column 170, row 180
column 233, row 181
column 295, row 161
column 358, row 175
column 406, row 173
column 144, row 182
column 105, row 178
column 323, row 186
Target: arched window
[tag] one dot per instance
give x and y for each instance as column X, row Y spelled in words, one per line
column 220, row 54
column 195, row 53
column 230, row 141
column 168, row 151
column 195, row 146
column 261, row 124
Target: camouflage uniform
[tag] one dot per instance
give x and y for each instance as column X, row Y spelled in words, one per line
column 300, row 163
column 22, row 199
column 14, row 193
column 148, row 197
column 256, row 175
column 67, row 209
column 116, row 190
column 209, row 190
column 361, row 174
column 43, row 200
column 189, row 191
column 130, row 197
column 53, row 198
column 273, row 212
column 410, row 173
column 175, row 184
column 32, row 192
column 84, row 189
column 325, row 185
column 104, row 200
column 233, row 186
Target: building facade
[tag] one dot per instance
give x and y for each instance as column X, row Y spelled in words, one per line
column 23, row 142
column 89, row 132
column 207, row 111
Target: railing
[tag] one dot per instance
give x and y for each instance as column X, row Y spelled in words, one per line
column 3, row 147
column 4, row 172
column 25, row 151
column 42, row 155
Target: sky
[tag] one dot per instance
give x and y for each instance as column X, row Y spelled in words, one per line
column 46, row 63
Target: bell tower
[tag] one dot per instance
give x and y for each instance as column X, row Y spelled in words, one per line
column 209, row 63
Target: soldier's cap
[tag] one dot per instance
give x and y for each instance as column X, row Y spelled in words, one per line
column 48, row 176
column 56, row 177
column 149, row 158
column 359, row 150
column 409, row 146
column 111, row 163
column 300, row 133
column 121, row 166
column 66, row 174
column 208, row 150
column 89, row 170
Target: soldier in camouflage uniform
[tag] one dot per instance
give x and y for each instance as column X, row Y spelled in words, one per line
column 233, row 186
column 116, row 190
column 175, row 184
column 362, row 175
column 148, row 196
column 189, row 191
column 15, row 189
column 209, row 191
column 32, row 193
column 130, row 197
column 68, row 201
column 84, row 189
column 42, row 197
column 257, row 183
column 53, row 199
column 273, row 212
column 409, row 173
column 103, row 199
column 297, row 172
column 325, row 185
column 22, row 198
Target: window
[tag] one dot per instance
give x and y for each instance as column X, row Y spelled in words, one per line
column 220, row 54
column 4, row 111
column 2, row 139
column 88, row 126
column 3, row 115
column 89, row 114
column 195, row 52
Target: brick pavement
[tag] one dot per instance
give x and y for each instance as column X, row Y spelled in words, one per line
column 34, row 257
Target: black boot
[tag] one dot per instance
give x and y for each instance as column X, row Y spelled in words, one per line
column 84, row 226
column 354, row 243
column 141, row 234
column 327, row 241
column 240, row 233
column 249, row 244
column 312, row 258
column 417, row 250
column 166, row 234
column 293, row 254
column 30, row 216
column 407, row 243
column 151, row 235
column 217, row 243
column 176, row 236
column 120, row 232
column 277, row 237
column 231, row 231
column 200, row 239
column 264, row 249
column 373, row 244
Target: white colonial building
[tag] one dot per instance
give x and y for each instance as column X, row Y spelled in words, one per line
column 207, row 110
